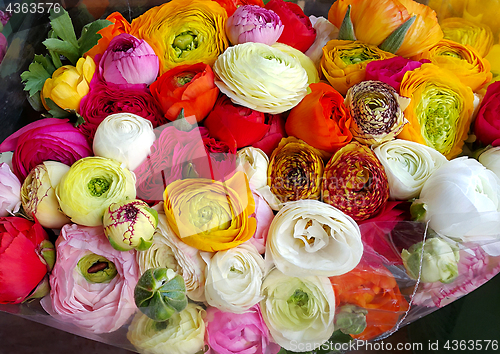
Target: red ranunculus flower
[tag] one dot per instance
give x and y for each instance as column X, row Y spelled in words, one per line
column 45, row 139
column 22, row 266
column 299, row 32
column 276, row 132
column 103, row 100
column 487, row 125
column 229, row 122
column 188, row 87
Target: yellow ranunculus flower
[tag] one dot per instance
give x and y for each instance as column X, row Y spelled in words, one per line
column 183, row 32
column 494, row 58
column 467, row 32
column 344, row 62
column 69, row 84
column 211, row 215
column 440, row 111
column 463, row 60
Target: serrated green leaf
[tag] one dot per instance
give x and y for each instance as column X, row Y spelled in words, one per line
column 63, row 26
column 56, row 111
column 89, row 36
column 46, row 62
column 34, row 78
column 62, row 47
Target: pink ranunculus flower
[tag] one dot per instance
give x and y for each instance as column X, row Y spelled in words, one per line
column 3, row 46
column 45, row 139
column 272, row 138
column 91, row 299
column 245, row 333
column 391, row 71
column 10, row 191
column 264, row 216
column 252, row 23
column 129, row 61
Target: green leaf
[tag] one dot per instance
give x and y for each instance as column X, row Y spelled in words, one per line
column 47, row 63
column 392, row 43
column 63, row 26
column 34, row 78
column 89, row 36
column 62, row 47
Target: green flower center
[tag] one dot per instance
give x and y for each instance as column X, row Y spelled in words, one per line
column 352, row 58
column 299, row 298
column 96, row 269
column 185, row 42
column 98, row 186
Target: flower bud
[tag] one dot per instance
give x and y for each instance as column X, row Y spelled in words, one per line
column 96, row 269
column 351, row 319
column 130, row 224
column 439, row 261
column 160, row 293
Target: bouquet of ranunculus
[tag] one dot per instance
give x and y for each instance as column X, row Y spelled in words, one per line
column 231, row 176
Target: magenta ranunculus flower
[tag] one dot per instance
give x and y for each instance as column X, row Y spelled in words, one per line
column 391, row 71
column 230, row 333
column 129, row 61
column 3, row 46
column 92, row 284
column 45, row 139
column 103, row 100
column 10, row 191
column 252, row 23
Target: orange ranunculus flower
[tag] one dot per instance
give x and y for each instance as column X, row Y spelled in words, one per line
column 321, row 119
column 120, row 25
column 231, row 5
column 188, row 87
column 183, row 32
column 463, row 60
column 211, row 215
column 344, row 62
column 440, row 111
column 467, row 32
column 372, row 287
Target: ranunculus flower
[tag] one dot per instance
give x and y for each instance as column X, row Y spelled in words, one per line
column 487, row 123
column 38, row 194
column 26, row 255
column 69, row 84
column 298, row 32
column 491, row 160
column 440, row 110
column 295, row 171
column 45, row 139
column 261, row 77
column 229, row 121
column 129, row 61
column 253, row 23
column 328, row 120
column 264, row 215
column 464, row 61
column 3, row 46
column 10, row 191
column 377, row 112
column 308, row 237
column 325, row 32
column 231, row 333
column 188, row 87
column 104, row 100
column 344, row 62
column 183, row 33
column 183, row 333
column 92, row 284
column 462, row 200
column 231, row 5
column 305, row 61
column 120, row 25
column 273, row 136
column 392, row 70
column 408, row 165
column 124, row 137
column 373, row 22
column 355, row 182
column 234, row 278
column 90, row 186
column 211, row 215
column 254, row 162
column 466, row 32
column 168, row 251
column 298, row 310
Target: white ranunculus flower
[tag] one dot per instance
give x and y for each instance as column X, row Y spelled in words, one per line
column 254, row 163
column 125, row 137
column 325, row 31
column 234, row 278
column 261, row 77
column 305, row 61
column 408, row 165
column 491, row 159
column 168, row 251
column 183, row 333
column 308, row 237
column 10, row 191
column 462, row 200
column 298, row 311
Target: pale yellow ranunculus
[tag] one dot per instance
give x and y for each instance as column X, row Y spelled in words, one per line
column 467, row 32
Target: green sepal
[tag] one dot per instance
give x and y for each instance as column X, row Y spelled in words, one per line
column 48, row 253
column 89, row 36
column 41, row 290
column 116, row 246
column 181, row 123
column 36, row 102
column 144, row 245
column 418, row 211
column 79, row 120
column 392, row 43
column 346, row 31
column 154, row 213
column 55, row 111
